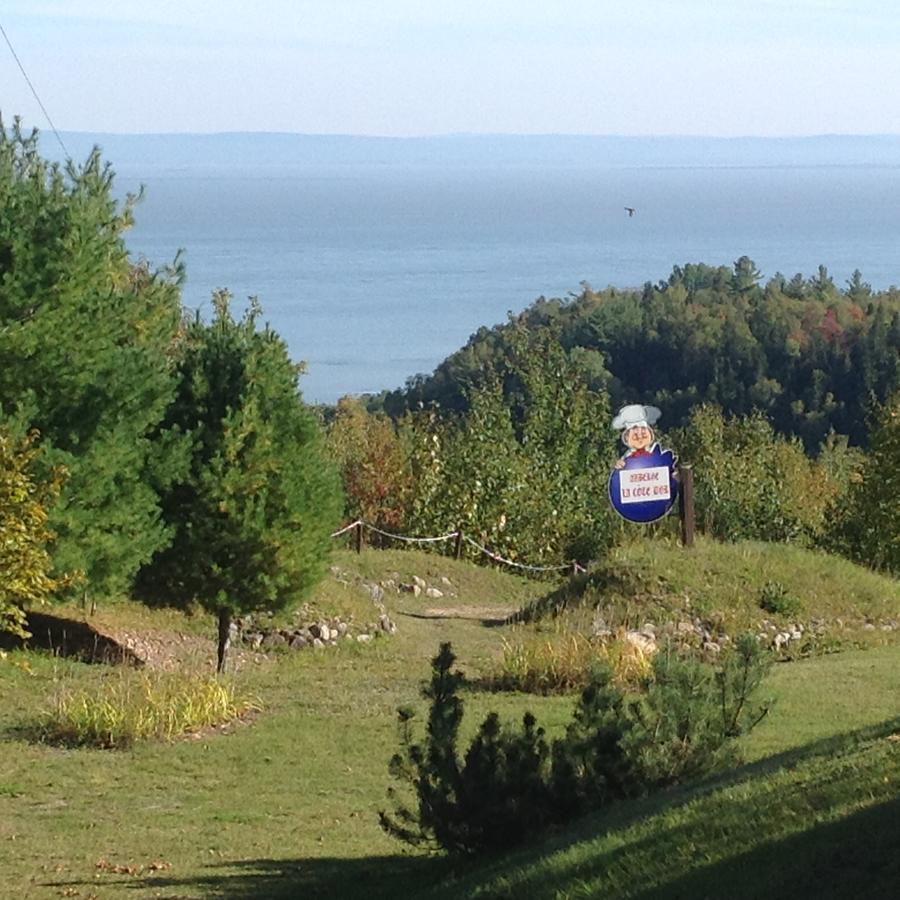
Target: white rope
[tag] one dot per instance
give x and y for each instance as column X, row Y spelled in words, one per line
column 411, row 540
column 345, row 530
column 510, row 562
column 455, row 534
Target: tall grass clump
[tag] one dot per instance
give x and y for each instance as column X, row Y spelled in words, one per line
column 564, row 663
column 137, row 706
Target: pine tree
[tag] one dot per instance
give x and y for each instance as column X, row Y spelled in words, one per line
column 86, row 343
column 252, row 516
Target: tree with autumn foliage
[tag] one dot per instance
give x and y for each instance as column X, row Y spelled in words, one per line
column 374, row 465
column 25, row 501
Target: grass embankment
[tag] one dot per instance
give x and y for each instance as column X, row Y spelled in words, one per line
column 286, row 806
column 722, row 584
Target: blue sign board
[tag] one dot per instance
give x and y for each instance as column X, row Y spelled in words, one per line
column 643, row 486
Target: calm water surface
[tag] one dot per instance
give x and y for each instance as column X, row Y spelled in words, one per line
column 375, row 273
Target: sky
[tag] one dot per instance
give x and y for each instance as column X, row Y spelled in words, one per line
column 424, row 67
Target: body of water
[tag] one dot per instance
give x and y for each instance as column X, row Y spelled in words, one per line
column 373, row 273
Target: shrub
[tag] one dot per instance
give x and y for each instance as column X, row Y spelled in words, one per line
column 511, row 784
column 25, row 499
column 774, row 598
column 866, row 525
column 683, row 723
column 752, row 483
column 134, row 706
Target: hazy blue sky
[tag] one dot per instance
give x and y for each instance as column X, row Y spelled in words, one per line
column 414, row 67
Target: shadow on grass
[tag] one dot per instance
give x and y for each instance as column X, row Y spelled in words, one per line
column 372, row 878
column 855, row 857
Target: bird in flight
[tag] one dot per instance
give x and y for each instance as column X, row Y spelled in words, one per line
column 630, row 210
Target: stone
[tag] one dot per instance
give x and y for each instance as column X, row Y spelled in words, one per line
column 364, row 638
column 419, row 581
column 254, row 639
column 386, row 625
column 641, row 641
column 318, row 643
column 413, row 589
column 375, row 591
column 711, row 647
column 298, row 642
column 341, row 628
column 446, row 582
column 434, row 593
column 274, row 639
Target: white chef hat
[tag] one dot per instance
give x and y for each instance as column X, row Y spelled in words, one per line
column 635, row 414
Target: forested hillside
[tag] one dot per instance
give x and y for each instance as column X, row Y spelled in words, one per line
column 810, row 355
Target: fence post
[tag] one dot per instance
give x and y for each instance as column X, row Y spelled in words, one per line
column 458, row 545
column 686, row 504
column 359, row 537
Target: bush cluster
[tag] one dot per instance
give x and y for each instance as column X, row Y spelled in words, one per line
column 512, row 783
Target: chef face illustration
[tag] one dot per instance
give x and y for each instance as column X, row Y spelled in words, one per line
column 638, row 437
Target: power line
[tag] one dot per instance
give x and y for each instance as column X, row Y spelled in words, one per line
column 33, row 91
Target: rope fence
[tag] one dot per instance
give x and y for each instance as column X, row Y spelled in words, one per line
column 359, row 526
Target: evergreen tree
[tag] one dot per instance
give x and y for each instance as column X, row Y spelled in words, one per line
column 251, row 517
column 86, row 344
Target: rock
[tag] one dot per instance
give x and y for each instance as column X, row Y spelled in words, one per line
column 375, row 591
column 386, row 625
column 298, row 642
column 434, row 593
column 389, row 584
column 413, row 589
column 446, row 582
column 711, row 647
column 641, row 641
column 318, row 642
column 868, row 627
column 341, row 628
column 254, row 639
column 420, row 582
column 364, row 638
column 274, row 639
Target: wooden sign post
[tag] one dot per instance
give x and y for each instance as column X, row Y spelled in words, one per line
column 686, row 504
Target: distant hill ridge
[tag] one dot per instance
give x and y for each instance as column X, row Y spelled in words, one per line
column 264, row 149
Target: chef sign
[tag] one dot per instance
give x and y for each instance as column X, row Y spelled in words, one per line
column 643, row 485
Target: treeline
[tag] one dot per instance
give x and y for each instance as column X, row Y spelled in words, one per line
column 810, row 356
column 140, row 448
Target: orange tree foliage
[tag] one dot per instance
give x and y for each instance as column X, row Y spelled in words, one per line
column 374, row 465
column 24, row 503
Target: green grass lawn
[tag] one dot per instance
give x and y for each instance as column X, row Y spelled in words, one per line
column 285, row 805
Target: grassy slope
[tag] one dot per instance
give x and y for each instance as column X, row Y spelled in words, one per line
column 721, row 583
column 286, row 807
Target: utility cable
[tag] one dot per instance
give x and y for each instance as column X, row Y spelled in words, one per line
column 33, row 91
